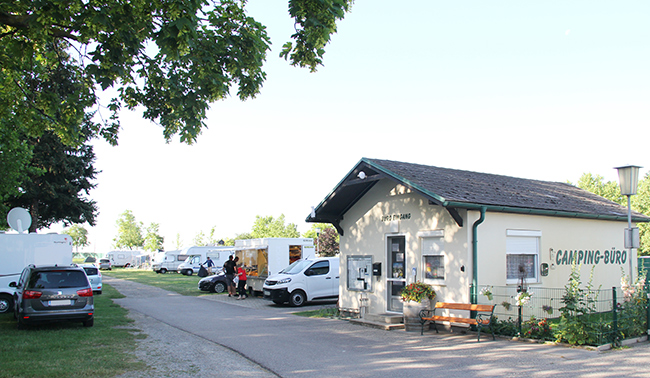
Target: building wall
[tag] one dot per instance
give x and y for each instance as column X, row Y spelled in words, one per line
column 560, row 237
column 389, row 209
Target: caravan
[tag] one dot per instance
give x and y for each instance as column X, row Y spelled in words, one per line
column 19, row 250
column 124, row 258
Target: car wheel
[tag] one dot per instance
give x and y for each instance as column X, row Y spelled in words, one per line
column 6, row 303
column 219, row 287
column 189, row 272
column 89, row 323
column 163, row 270
column 297, row 298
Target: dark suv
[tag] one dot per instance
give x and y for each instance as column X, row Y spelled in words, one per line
column 53, row 293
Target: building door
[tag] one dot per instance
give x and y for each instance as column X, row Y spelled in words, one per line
column 396, row 275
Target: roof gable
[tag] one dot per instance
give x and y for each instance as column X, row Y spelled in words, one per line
column 454, row 189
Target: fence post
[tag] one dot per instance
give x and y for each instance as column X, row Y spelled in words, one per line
column 614, row 317
column 519, row 320
column 647, row 307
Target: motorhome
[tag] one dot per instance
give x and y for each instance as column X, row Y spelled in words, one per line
column 267, row 256
column 198, row 255
column 19, row 250
column 124, row 259
column 164, row 262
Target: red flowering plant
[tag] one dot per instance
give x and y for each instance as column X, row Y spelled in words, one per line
column 417, row 291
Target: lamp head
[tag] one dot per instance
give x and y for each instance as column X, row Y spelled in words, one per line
column 628, row 177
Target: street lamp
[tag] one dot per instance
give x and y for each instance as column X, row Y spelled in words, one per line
column 628, row 176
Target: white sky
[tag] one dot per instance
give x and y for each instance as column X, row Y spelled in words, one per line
column 543, row 90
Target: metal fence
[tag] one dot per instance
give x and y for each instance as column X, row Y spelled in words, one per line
column 611, row 316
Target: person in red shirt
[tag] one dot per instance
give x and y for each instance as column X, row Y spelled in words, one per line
column 241, row 286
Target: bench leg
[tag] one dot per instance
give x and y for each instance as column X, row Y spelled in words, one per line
column 479, row 333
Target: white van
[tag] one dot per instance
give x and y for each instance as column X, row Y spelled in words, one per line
column 304, row 281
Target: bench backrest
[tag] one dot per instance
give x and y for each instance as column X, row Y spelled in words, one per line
column 465, row 306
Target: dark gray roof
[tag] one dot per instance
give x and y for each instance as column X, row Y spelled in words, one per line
column 456, row 189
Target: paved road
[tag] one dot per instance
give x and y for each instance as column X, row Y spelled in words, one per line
column 265, row 340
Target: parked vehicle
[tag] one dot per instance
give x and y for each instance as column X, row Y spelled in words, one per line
column 105, row 264
column 94, row 277
column 304, row 281
column 20, row 250
column 215, row 283
column 267, row 256
column 53, row 293
column 164, row 262
column 197, row 256
column 124, row 258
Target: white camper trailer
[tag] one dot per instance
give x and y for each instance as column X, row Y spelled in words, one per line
column 19, row 250
column 268, row 256
column 125, row 259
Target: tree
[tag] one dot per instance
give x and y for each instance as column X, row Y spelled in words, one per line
column 199, row 239
column 178, row 243
column 56, row 182
column 79, row 235
column 268, row 227
column 326, row 239
column 152, row 240
column 129, row 232
column 640, row 202
column 172, row 58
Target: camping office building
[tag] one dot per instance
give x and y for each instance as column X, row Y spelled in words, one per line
column 401, row 222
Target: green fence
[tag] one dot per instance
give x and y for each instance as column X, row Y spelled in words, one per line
column 610, row 316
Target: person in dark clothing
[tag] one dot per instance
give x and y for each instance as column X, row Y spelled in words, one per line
column 229, row 269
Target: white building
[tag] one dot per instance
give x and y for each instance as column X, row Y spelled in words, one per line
column 457, row 229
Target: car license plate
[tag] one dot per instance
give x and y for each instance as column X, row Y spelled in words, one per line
column 267, row 293
column 60, row 302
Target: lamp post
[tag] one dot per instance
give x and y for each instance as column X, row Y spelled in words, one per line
column 628, row 176
column 317, row 239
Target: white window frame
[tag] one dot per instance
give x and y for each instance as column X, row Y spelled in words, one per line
column 529, row 240
column 435, row 234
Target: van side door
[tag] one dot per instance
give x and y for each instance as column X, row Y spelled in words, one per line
column 319, row 279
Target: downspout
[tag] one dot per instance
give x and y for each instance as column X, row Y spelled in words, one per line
column 474, row 290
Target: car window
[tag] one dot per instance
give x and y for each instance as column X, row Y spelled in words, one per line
column 90, row 271
column 320, row 268
column 57, row 279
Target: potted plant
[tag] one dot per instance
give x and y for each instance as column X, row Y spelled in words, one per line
column 416, row 296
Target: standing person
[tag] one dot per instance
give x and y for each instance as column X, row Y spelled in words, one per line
column 209, row 263
column 229, row 269
column 241, row 286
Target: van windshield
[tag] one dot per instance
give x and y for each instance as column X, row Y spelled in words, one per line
column 296, row 267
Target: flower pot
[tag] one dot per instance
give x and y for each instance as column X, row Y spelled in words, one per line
column 411, row 312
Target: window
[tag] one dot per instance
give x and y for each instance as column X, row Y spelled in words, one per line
column 522, row 255
column 319, row 268
column 433, row 256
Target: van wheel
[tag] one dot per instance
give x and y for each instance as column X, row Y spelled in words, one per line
column 297, row 298
column 163, row 270
column 189, row 272
column 6, row 303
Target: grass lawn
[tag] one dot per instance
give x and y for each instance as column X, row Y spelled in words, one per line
column 69, row 349
column 185, row 285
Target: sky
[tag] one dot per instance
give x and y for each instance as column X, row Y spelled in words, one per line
column 541, row 90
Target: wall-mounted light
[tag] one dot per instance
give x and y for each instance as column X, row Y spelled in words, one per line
column 362, row 175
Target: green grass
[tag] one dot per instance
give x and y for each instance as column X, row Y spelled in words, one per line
column 184, row 285
column 69, row 349
column 322, row 313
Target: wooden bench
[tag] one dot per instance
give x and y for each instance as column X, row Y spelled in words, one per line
column 483, row 316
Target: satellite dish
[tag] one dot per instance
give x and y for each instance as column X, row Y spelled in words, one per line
column 19, row 219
